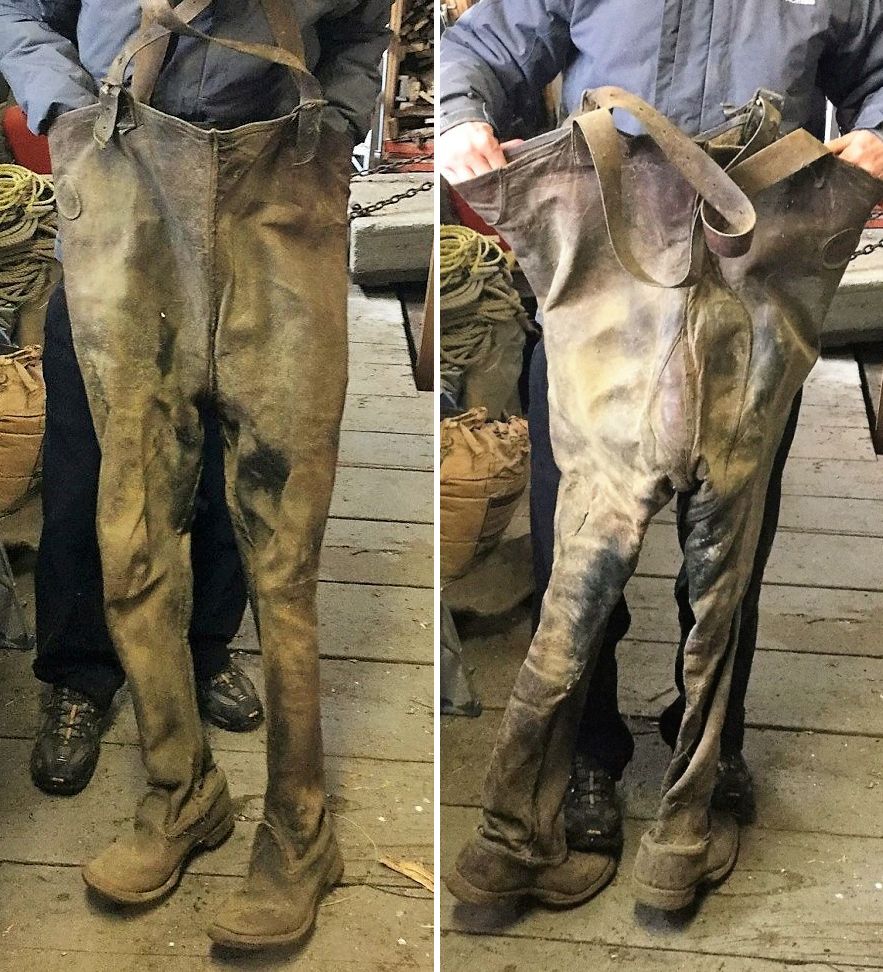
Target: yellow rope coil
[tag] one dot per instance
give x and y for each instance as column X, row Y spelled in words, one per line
column 28, row 226
column 476, row 294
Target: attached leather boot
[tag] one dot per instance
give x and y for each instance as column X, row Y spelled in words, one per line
column 147, row 864
column 280, row 899
column 482, row 877
column 667, row 876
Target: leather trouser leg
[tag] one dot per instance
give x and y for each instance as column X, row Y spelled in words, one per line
column 280, row 360
column 602, row 733
column 733, row 730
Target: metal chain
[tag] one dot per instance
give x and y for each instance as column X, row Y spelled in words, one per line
column 357, row 211
column 870, row 247
column 867, row 250
column 392, row 166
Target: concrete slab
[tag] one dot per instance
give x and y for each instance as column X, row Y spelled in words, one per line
column 856, row 316
column 394, row 244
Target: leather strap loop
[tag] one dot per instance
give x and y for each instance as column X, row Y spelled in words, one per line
column 725, row 211
column 777, row 162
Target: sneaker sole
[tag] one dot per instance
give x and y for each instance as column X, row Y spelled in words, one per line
column 596, row 843
column 465, row 891
column 228, row 938
column 121, row 896
column 60, row 788
column 665, row 899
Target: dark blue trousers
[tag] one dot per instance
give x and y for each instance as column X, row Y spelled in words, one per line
column 603, row 732
column 73, row 645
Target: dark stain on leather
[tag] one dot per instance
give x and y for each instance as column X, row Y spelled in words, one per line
column 165, row 354
column 266, row 468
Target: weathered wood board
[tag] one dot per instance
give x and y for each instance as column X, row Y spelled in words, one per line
column 375, row 806
column 370, row 710
column 367, row 623
column 804, row 897
column 375, row 552
column 393, row 495
column 504, row 953
column 386, row 450
column 804, row 781
column 51, row 924
column 379, row 413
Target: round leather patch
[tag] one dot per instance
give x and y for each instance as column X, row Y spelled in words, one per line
column 67, row 198
column 839, row 248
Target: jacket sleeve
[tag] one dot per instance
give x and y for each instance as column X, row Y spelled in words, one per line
column 851, row 68
column 352, row 46
column 38, row 58
column 499, row 54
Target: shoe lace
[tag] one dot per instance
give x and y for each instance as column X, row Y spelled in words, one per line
column 590, row 782
column 72, row 715
column 228, row 678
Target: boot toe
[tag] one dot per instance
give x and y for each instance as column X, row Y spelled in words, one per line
column 249, row 921
column 124, row 876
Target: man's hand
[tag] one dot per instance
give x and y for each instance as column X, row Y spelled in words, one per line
column 469, row 150
column 861, row 148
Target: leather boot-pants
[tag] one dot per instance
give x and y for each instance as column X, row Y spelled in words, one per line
column 674, row 379
column 210, row 267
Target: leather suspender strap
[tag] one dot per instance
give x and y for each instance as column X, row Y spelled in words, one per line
column 284, row 27
column 160, row 19
column 724, row 195
column 716, row 190
column 149, row 60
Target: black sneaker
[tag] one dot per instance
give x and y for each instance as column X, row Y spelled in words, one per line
column 230, row 700
column 734, row 789
column 592, row 815
column 65, row 751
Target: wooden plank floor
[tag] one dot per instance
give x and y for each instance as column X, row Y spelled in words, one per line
column 807, row 892
column 376, row 612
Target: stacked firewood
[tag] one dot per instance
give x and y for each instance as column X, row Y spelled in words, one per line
column 415, row 94
column 454, row 9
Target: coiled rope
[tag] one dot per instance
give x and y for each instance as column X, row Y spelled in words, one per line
column 476, row 294
column 28, row 226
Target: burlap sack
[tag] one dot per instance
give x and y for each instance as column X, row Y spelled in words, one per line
column 484, row 471
column 22, row 421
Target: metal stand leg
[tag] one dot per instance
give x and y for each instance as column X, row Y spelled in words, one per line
column 13, row 626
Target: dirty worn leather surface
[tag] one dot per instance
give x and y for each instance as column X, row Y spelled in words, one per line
column 653, row 390
column 208, row 268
